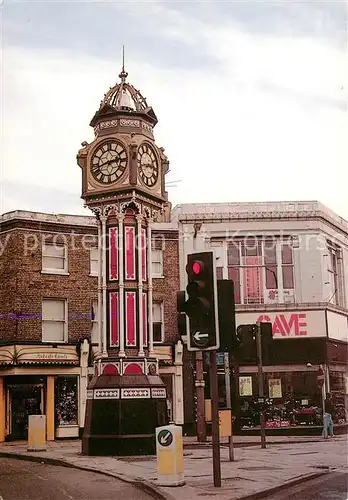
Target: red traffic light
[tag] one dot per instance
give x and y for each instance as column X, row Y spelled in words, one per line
column 197, row 267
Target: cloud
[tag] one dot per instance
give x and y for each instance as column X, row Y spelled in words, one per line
column 257, row 116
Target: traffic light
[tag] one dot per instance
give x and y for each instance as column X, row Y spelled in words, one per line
column 247, row 352
column 227, row 320
column 267, row 343
column 201, row 305
column 181, row 312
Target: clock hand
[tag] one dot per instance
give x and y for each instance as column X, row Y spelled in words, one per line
column 105, row 163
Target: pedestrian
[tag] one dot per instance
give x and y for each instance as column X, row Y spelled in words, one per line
column 328, row 416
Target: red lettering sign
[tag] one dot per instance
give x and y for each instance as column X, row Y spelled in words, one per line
column 286, row 325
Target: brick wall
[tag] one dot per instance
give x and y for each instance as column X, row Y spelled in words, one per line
column 24, row 286
column 165, row 289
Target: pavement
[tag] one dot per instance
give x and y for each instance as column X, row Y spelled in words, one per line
column 254, row 472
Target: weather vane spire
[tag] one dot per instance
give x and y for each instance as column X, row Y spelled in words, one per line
column 123, row 75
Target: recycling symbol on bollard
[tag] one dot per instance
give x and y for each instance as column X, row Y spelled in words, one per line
column 165, row 437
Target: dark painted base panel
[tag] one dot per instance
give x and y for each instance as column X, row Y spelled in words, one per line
column 118, row 446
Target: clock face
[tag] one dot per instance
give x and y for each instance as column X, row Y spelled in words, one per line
column 109, row 162
column 147, row 165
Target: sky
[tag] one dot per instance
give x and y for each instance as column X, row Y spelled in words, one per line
column 251, row 96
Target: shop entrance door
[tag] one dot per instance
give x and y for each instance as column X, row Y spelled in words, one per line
column 26, row 400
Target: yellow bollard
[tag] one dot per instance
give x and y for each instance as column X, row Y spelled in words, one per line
column 170, row 455
column 37, row 433
column 225, row 423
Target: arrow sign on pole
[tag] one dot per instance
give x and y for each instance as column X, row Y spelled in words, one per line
column 200, row 338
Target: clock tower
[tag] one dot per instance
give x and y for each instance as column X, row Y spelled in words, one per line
column 123, row 183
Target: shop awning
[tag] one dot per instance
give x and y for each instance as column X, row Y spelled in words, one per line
column 11, row 355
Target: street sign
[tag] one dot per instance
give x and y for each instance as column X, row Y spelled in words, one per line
column 320, row 377
column 165, row 437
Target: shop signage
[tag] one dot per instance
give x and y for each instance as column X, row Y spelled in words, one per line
column 289, row 324
column 275, row 388
column 24, row 354
column 245, row 386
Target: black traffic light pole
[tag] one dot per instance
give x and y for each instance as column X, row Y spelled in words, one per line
column 201, row 308
column 261, row 391
column 215, row 434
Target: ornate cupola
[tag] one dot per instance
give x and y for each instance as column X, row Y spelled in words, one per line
column 123, row 163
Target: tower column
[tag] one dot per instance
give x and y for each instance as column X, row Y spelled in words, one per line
column 104, row 240
column 140, row 285
column 149, row 271
column 100, row 286
column 121, row 284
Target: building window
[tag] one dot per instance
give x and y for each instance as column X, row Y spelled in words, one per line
column 262, row 270
column 157, row 258
column 54, row 320
column 94, row 319
column 287, row 267
column 335, row 274
column 54, row 259
column 94, row 261
column 157, row 321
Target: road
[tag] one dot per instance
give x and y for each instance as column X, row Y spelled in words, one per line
column 24, row 480
column 331, row 486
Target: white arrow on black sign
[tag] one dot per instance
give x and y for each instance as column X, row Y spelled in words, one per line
column 165, row 438
column 199, row 336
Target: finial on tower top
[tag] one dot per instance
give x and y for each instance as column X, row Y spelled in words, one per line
column 123, row 75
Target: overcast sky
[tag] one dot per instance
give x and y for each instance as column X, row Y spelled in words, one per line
column 251, row 97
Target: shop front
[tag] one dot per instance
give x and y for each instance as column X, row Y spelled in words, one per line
column 39, row 380
column 293, row 398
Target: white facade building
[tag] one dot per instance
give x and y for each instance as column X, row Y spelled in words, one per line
column 289, row 263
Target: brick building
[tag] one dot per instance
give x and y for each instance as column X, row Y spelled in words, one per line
column 49, row 318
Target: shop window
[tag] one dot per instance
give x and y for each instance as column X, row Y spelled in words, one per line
column 54, row 320
column 93, row 261
column 66, row 401
column 157, row 321
column 54, row 258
